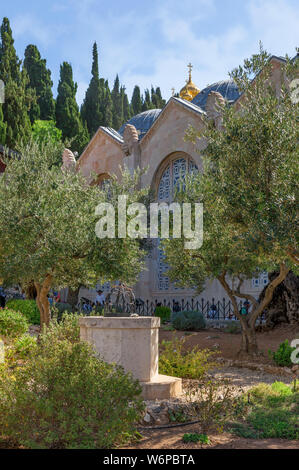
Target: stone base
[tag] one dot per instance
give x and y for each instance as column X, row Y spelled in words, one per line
column 161, row 387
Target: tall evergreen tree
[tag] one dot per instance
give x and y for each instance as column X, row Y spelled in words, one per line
column 91, row 109
column 126, row 106
column 107, row 105
column 3, row 126
column 117, row 100
column 156, row 98
column 147, row 102
column 40, row 81
column 136, row 102
column 17, row 97
column 68, row 118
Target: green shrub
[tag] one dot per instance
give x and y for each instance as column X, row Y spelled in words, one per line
column 282, row 357
column 272, row 412
column 194, row 437
column 188, row 321
column 65, row 329
column 28, row 308
column 62, row 307
column 163, row 312
column 12, row 324
column 24, row 346
column 192, row 364
column 67, row 397
column 212, row 400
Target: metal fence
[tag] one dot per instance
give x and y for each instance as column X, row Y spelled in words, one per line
column 211, row 309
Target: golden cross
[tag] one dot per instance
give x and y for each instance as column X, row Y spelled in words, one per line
column 190, row 67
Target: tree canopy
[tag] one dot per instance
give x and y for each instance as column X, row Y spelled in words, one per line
column 48, row 226
column 249, row 188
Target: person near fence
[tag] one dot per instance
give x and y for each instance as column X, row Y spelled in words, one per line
column 212, row 313
column 176, row 307
column 100, row 298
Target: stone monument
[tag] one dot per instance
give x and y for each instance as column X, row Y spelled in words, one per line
column 133, row 343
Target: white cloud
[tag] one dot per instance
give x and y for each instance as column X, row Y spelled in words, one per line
column 152, row 45
column 276, row 23
column 30, row 26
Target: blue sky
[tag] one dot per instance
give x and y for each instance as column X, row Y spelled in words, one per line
column 152, row 42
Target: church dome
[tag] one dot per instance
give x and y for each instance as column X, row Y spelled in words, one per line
column 227, row 88
column 142, row 122
column 190, row 90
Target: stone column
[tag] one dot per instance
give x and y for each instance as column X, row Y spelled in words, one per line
column 133, row 343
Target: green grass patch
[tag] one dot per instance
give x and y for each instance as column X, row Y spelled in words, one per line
column 269, row 411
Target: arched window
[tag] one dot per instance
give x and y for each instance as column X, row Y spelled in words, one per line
column 175, row 169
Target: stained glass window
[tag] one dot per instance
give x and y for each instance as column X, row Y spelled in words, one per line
column 176, row 170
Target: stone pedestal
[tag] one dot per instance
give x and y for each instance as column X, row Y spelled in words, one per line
column 133, row 343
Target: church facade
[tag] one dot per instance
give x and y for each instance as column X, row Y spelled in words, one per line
column 154, row 139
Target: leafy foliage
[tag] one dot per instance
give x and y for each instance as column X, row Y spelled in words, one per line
column 39, row 81
column 249, row 192
column 68, row 118
column 194, row 437
column 21, row 348
column 65, row 330
column 66, row 397
column 163, row 312
column 18, row 98
column 43, row 131
column 188, row 321
column 12, row 324
column 272, row 412
column 48, row 225
column 212, row 400
column 177, row 362
column 282, row 357
column 27, row 307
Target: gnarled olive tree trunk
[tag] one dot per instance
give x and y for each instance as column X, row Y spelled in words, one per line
column 284, row 306
column 30, row 291
column 42, row 300
column 249, row 344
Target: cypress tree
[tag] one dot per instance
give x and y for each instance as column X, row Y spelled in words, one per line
column 107, row 105
column 117, row 101
column 92, row 107
column 17, row 98
column 40, row 81
column 156, row 97
column 136, row 102
column 126, row 106
column 147, row 103
column 2, row 127
column 68, row 118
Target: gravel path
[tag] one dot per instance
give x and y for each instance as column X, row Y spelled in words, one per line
column 246, row 378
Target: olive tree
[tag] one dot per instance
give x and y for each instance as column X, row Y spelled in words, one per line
column 48, row 222
column 249, row 189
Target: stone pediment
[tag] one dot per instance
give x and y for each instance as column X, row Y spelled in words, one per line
column 173, row 104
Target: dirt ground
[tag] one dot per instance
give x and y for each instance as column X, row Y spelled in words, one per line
column 228, row 344
column 172, row 439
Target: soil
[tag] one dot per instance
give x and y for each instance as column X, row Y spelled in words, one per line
column 228, row 344
column 172, row 439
